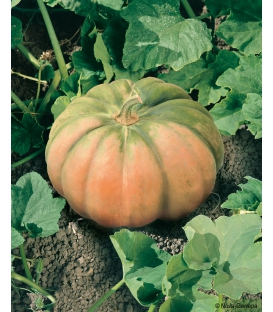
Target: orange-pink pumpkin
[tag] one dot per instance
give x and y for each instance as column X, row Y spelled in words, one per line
column 126, row 153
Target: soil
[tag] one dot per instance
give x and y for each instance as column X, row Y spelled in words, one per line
column 80, row 263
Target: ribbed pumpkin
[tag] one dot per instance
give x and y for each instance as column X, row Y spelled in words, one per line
column 126, row 153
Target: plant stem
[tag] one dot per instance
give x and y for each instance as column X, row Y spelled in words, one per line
column 24, row 261
column 33, row 286
column 212, row 26
column 27, row 77
column 53, row 39
column 28, row 55
column 125, row 116
column 200, row 17
column 20, row 162
column 27, row 102
column 52, row 88
column 220, row 301
column 188, row 8
column 19, row 103
column 152, row 308
column 215, row 48
column 28, row 260
column 106, row 296
column 38, row 88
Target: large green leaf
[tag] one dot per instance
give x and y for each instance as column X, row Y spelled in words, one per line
column 80, row 7
column 243, row 28
column 202, row 76
column 114, row 39
column 203, row 303
column 238, row 79
column 252, row 110
column 247, row 9
column 238, row 267
column 34, row 210
column 228, row 114
column 144, row 265
column 182, row 280
column 25, row 134
column 248, row 198
column 158, row 34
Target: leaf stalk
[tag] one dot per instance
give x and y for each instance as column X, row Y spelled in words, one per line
column 19, row 103
column 33, row 155
column 53, row 39
column 28, row 55
column 106, row 296
column 188, row 8
column 34, row 286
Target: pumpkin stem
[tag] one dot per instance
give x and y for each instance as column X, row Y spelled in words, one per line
column 125, row 116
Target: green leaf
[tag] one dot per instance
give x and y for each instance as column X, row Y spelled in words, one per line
column 248, row 198
column 144, row 265
column 202, row 251
column 16, row 238
column 202, row 76
column 80, row 7
column 246, row 37
column 84, row 61
column 238, row 79
column 243, row 27
column 228, row 115
column 182, row 280
column 238, row 268
column 259, row 210
column 203, row 303
column 16, row 32
column 179, row 303
column 247, row 9
column 158, row 35
column 102, row 55
column 52, row 3
column 33, row 208
column 114, row 39
column 14, row 3
column 47, row 73
column 25, row 134
column 114, row 5
column 71, row 85
column 60, row 105
column 181, row 286
column 252, row 110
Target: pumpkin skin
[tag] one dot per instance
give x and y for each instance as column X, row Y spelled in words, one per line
column 126, row 153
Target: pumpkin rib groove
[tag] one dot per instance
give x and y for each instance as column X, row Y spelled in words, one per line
column 159, row 161
column 124, row 170
column 58, row 131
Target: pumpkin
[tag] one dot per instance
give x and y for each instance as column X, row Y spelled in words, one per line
column 126, row 154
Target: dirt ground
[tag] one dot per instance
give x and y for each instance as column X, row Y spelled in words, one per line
column 80, row 263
